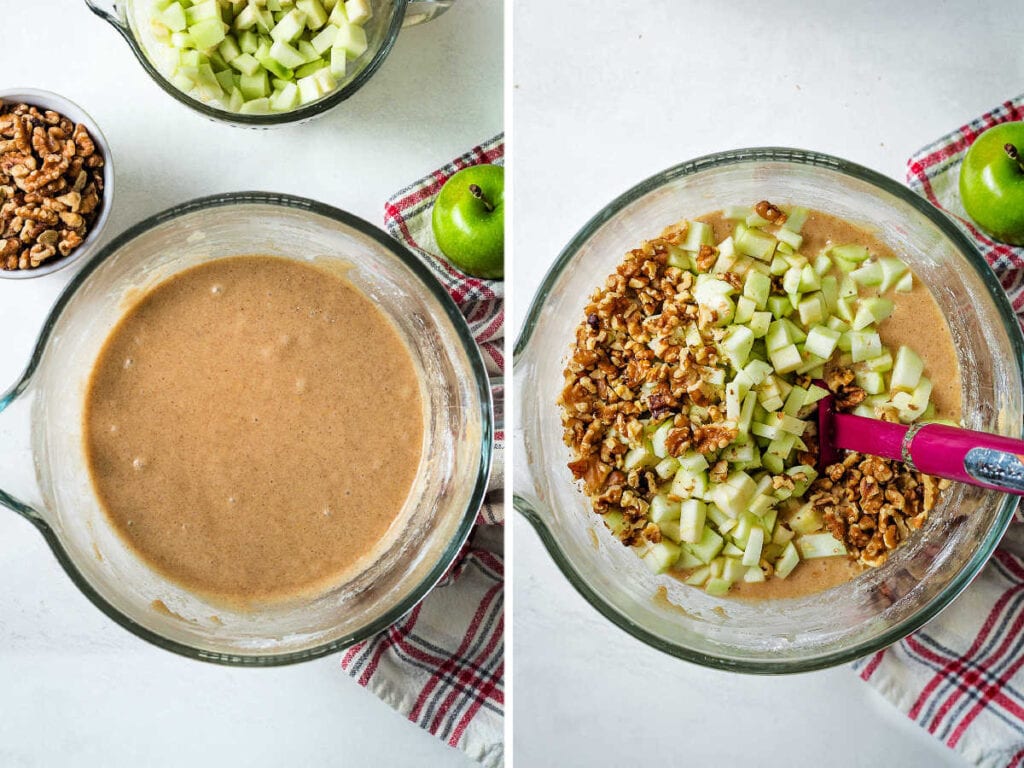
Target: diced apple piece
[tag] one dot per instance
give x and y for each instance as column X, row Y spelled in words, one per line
column 692, row 461
column 662, row 509
column 697, row 234
column 698, row 577
column 786, row 359
column 285, row 99
column 780, row 306
column 819, row 545
column 879, row 364
column 811, row 310
column 758, row 288
column 635, row 457
column 756, row 244
column 670, row 529
column 661, row 556
column 872, row 310
column 666, row 468
column 906, row 371
column 689, row 484
column 755, row 542
column 788, row 560
column 757, row 371
column 692, row 519
column 737, row 344
column 745, row 309
column 717, row 586
column 324, row 39
column 286, row 55
column 173, row 17
column 246, row 64
column 868, row 275
column 289, row 27
column 821, row 341
column 851, row 252
column 708, row 547
column 919, row 401
column 792, row 239
column 208, row 33
column 255, row 86
column 864, row 345
column 759, row 323
column 795, row 401
column 659, row 437
column 315, row 14
column 871, row 382
column 235, row 100
column 905, row 284
column 256, row 107
column 806, row 520
column 688, row 560
column 229, row 49
column 892, row 270
column 746, row 413
column 339, row 62
column 795, row 219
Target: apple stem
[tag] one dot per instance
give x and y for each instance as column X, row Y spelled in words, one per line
column 478, row 193
column 1014, row 154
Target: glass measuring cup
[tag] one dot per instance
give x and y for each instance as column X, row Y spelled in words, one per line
column 44, row 476
column 795, row 635
column 131, row 19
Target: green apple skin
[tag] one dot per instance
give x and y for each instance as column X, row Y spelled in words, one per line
column 468, row 233
column 992, row 183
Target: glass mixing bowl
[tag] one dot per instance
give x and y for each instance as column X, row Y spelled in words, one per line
column 131, row 19
column 792, row 635
column 43, row 472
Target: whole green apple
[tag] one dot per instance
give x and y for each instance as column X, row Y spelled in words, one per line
column 992, row 182
column 469, row 220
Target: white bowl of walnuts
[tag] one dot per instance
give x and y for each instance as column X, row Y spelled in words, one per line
column 56, row 183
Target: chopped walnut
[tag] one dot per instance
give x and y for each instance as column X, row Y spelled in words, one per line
column 769, row 212
column 706, row 257
column 634, row 361
column 51, row 184
column 872, row 504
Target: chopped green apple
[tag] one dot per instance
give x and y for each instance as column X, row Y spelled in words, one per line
column 814, row 545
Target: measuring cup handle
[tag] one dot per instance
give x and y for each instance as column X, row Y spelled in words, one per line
column 19, row 487
column 419, row 11
column 108, row 11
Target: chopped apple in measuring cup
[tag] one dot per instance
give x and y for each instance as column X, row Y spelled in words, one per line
column 258, row 56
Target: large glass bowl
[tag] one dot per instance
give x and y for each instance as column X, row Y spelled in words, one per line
column 43, row 473
column 792, row 635
column 132, row 20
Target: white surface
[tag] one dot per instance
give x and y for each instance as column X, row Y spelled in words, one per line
column 635, row 91
column 75, row 689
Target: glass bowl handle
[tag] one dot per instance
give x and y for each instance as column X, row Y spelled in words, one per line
column 524, row 496
column 19, row 486
column 107, row 10
column 416, row 11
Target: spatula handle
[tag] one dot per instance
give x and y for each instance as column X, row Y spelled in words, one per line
column 976, row 458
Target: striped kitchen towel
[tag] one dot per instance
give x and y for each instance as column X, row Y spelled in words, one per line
column 961, row 676
column 443, row 664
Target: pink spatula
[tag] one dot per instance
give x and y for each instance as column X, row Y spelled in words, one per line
column 976, row 458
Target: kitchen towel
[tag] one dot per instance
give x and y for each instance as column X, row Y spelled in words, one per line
column 961, row 676
column 443, row 664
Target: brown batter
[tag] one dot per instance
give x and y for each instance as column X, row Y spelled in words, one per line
column 916, row 322
column 253, row 426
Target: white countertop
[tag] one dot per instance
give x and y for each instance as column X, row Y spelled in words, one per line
column 605, row 99
column 75, row 689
